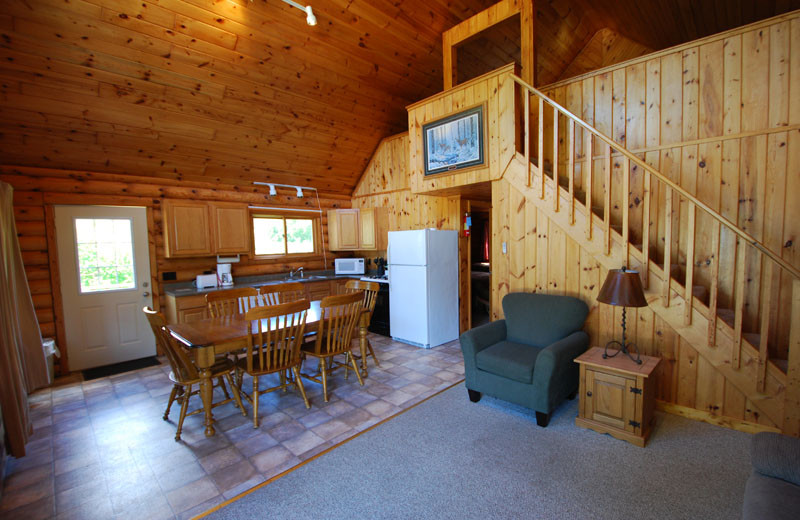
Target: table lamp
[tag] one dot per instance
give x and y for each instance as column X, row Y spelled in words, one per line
column 624, row 288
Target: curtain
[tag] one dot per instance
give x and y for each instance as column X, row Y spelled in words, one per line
column 23, row 367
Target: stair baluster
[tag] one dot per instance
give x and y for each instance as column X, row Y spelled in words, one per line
column 767, row 290
column 689, row 281
column 646, row 231
column 738, row 320
column 527, row 97
column 714, row 290
column 589, row 147
column 541, row 144
column 626, row 194
column 667, row 245
column 607, row 202
column 571, row 172
column 556, row 199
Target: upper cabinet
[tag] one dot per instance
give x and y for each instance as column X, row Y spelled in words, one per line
column 231, row 227
column 358, row 229
column 194, row 228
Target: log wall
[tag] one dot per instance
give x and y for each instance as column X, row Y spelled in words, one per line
column 37, row 190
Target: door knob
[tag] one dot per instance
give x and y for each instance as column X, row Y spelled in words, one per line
column 588, row 394
column 145, row 294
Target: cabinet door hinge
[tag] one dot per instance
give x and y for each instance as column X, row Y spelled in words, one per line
column 634, row 424
column 636, row 390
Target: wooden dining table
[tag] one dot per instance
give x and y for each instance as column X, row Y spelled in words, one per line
column 211, row 337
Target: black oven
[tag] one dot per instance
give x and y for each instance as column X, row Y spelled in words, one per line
column 380, row 317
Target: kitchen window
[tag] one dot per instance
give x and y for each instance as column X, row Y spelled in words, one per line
column 285, row 235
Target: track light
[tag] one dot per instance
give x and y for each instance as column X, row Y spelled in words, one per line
column 299, row 192
column 272, row 191
column 310, row 18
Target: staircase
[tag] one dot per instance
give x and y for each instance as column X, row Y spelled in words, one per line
column 736, row 340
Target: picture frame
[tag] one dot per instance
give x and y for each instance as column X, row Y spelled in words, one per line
column 455, row 142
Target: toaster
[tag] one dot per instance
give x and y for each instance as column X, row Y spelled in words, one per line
column 206, row 280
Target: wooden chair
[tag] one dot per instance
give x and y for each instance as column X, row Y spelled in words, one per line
column 340, row 315
column 231, row 301
column 273, row 346
column 279, row 293
column 184, row 374
column 370, row 297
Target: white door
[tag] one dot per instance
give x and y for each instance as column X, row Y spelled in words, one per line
column 408, row 309
column 104, row 263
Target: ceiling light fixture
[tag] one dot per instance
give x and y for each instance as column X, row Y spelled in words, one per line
column 310, row 18
column 272, row 191
column 299, row 192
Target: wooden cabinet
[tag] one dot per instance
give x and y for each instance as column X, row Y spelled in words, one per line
column 231, row 223
column 193, row 228
column 187, row 228
column 185, row 309
column 617, row 395
column 318, row 290
column 358, row 229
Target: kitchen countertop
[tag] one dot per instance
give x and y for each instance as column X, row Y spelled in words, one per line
column 188, row 288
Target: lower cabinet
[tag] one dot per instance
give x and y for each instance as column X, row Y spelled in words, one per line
column 185, row 309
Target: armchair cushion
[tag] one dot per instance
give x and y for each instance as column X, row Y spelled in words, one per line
column 542, row 319
column 776, row 455
column 509, row 359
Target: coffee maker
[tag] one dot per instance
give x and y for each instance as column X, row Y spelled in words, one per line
column 224, row 277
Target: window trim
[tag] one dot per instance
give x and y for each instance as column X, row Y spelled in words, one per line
column 316, row 223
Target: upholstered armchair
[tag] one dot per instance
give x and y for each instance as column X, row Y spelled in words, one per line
column 527, row 358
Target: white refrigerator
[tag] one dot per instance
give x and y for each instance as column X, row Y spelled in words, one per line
column 423, row 286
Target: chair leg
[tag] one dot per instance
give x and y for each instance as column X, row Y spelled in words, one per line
column 172, row 396
column 299, row 383
column 372, row 353
column 237, row 397
column 324, row 378
column 542, row 419
column 347, row 358
column 184, row 407
column 224, row 387
column 255, row 401
column 357, row 371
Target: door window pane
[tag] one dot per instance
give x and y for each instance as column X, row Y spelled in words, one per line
column 299, row 235
column 269, row 237
column 105, row 254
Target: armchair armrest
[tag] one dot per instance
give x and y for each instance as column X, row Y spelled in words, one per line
column 477, row 339
column 555, row 374
column 776, row 455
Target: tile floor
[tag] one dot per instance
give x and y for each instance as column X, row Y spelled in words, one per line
column 101, row 450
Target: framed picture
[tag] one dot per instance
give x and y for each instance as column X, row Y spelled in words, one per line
column 454, row 142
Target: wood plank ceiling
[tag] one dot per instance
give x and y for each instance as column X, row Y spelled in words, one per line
column 240, row 90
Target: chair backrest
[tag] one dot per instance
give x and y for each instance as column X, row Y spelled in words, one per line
column 275, row 335
column 340, row 314
column 370, row 292
column 179, row 361
column 542, row 319
column 231, row 301
column 278, row 293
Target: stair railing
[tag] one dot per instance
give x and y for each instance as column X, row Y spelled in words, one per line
column 673, row 193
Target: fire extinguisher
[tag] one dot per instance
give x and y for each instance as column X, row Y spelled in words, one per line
column 467, row 223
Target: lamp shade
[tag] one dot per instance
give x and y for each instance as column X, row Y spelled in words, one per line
column 624, row 288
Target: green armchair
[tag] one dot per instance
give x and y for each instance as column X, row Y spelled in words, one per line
column 527, row 358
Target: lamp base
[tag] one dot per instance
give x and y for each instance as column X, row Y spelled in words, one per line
column 623, row 348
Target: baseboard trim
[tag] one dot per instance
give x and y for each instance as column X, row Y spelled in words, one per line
column 717, row 420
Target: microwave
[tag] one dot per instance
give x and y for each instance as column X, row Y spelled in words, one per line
column 348, row 265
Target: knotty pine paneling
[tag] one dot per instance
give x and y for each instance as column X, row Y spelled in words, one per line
column 36, row 189
column 721, row 117
column 543, row 258
column 384, row 184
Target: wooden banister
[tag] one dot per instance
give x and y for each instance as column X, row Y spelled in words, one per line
column 635, row 160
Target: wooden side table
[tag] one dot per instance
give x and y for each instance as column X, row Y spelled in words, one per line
column 617, row 395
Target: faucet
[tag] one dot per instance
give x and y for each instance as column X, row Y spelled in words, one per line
column 294, row 272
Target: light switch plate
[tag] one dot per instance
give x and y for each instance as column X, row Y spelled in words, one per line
column 505, row 249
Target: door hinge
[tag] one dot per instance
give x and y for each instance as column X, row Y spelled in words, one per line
column 634, row 424
column 636, row 390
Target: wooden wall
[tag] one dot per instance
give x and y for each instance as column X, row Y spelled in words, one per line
column 541, row 257
column 606, row 48
column 499, row 122
column 36, row 190
column 721, row 117
column 385, row 183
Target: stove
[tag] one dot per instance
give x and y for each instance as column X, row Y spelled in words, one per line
column 379, row 279
column 380, row 316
